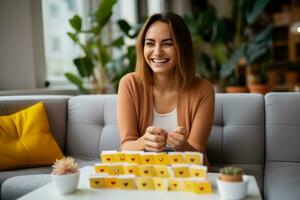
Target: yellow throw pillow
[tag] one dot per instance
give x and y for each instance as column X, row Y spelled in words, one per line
column 26, row 140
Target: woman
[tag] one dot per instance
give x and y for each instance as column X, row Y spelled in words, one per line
column 163, row 105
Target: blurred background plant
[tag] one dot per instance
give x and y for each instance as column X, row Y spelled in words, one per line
column 125, row 63
column 97, row 67
column 226, row 46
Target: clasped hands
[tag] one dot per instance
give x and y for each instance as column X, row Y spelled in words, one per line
column 157, row 139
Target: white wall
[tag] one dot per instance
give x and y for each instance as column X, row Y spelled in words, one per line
column 21, row 45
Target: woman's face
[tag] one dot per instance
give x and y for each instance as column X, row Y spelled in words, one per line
column 159, row 48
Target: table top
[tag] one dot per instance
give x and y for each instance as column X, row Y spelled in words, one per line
column 84, row 191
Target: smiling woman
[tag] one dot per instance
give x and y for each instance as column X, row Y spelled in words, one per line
column 159, row 50
column 167, row 106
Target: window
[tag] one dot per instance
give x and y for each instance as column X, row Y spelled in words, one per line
column 59, row 49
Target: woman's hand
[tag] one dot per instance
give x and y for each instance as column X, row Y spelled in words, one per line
column 177, row 138
column 155, row 139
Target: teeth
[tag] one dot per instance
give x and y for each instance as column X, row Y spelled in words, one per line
column 160, row 60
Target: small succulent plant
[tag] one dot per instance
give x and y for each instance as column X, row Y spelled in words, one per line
column 66, row 165
column 230, row 170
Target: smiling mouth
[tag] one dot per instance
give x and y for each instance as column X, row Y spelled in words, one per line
column 160, row 61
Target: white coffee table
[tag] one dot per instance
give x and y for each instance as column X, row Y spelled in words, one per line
column 84, row 191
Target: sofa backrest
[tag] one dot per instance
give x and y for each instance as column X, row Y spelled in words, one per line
column 56, row 108
column 238, row 134
column 92, row 125
column 282, row 127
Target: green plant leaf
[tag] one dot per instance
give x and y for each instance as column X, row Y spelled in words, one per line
column 124, row 26
column 256, row 51
column 228, row 69
column 73, row 37
column 205, row 21
column 105, row 56
column 264, row 35
column 77, row 81
column 104, row 12
column 221, row 31
column 75, row 22
column 119, row 42
column 259, row 46
column 219, row 52
column 256, row 10
column 84, row 66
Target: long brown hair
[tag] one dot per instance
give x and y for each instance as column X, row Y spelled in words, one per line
column 185, row 67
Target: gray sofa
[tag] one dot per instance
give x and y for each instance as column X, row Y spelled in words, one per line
column 260, row 134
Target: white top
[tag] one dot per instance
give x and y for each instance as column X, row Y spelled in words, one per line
column 167, row 121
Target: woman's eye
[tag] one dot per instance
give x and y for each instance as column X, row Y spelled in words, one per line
column 168, row 44
column 148, row 44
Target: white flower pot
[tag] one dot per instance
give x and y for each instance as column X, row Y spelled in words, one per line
column 233, row 190
column 66, row 184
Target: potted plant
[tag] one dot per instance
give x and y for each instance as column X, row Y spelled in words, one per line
column 259, row 83
column 225, row 47
column 231, row 174
column 210, row 35
column 92, row 64
column 232, row 184
column 65, row 175
column 252, row 40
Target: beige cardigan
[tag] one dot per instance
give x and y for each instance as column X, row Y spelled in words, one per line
column 195, row 110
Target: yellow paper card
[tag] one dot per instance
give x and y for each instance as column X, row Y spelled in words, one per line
column 181, row 170
column 131, row 168
column 97, row 181
column 175, row 158
column 145, row 183
column 202, row 187
column 198, row 171
column 193, row 158
column 101, row 168
column 161, row 159
column 147, row 158
column 160, row 184
column 115, row 169
column 188, row 185
column 120, row 157
column 132, row 156
column 108, row 156
column 146, row 170
column 127, row 182
column 175, row 184
column 112, row 182
column 162, row 171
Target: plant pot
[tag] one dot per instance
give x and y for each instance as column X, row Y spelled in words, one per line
column 66, row 184
column 236, row 89
column 231, row 178
column 233, row 190
column 258, row 88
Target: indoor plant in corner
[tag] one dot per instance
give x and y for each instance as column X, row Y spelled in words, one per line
column 65, row 175
column 92, row 64
column 232, row 184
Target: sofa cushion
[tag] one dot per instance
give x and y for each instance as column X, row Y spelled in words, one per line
column 18, row 186
column 92, row 126
column 282, row 165
column 238, row 134
column 30, row 178
column 282, row 181
column 282, row 127
column 56, row 108
column 26, row 139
